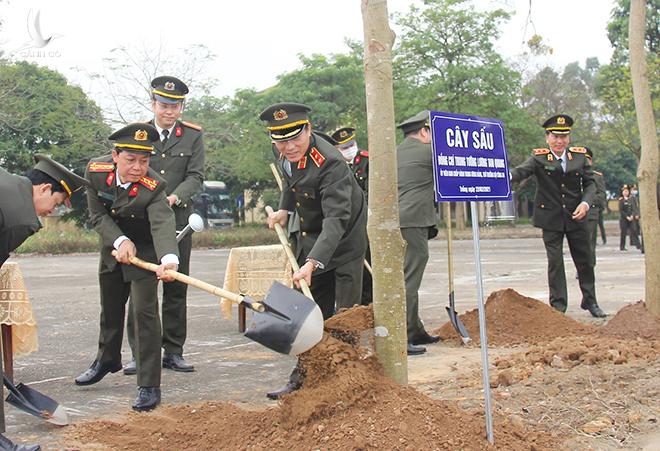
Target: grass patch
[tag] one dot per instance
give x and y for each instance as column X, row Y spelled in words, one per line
column 59, row 237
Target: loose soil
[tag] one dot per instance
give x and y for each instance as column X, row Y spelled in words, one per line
column 512, row 318
column 573, row 386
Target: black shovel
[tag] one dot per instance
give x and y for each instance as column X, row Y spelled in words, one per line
column 451, row 309
column 35, row 403
column 285, row 321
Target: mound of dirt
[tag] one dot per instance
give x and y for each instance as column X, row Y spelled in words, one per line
column 633, row 321
column 565, row 353
column 346, row 403
column 512, row 318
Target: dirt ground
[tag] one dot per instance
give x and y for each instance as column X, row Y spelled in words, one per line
column 558, row 381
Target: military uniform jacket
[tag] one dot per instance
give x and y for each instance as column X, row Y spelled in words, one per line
column 330, row 204
column 18, row 218
column 181, row 163
column 558, row 193
column 415, row 184
column 360, row 168
column 140, row 212
column 600, row 201
column 628, row 207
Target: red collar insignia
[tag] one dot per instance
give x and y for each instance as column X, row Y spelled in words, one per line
column 178, row 132
column 302, row 164
column 316, row 156
column 134, row 190
column 110, row 178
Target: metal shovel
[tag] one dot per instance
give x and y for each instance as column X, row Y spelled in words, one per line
column 35, row 403
column 451, row 309
column 195, row 223
column 285, row 321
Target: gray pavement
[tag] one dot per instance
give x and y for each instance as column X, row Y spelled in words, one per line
column 65, row 298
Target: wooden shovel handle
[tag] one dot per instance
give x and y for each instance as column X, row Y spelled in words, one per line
column 289, row 254
column 214, row 290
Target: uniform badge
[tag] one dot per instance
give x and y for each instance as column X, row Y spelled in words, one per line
column 550, row 158
column 317, row 158
column 302, row 164
column 561, row 120
column 96, row 166
column 540, row 151
column 134, row 190
column 169, row 86
column 570, row 156
column 110, row 178
column 140, row 135
column 280, row 115
column 343, row 134
column 149, row 183
column 178, row 132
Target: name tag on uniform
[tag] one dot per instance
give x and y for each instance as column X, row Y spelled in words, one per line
column 550, row 168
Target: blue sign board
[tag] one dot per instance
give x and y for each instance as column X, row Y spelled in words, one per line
column 469, row 158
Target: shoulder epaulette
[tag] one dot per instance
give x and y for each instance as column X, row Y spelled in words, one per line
column 316, row 156
column 364, row 153
column 541, row 151
column 191, row 125
column 96, row 166
column 149, row 183
column 578, row 149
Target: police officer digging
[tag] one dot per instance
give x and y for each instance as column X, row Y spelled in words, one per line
column 565, row 188
column 129, row 210
column 22, row 201
column 179, row 159
column 319, row 186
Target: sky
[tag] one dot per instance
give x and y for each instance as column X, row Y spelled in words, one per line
column 256, row 40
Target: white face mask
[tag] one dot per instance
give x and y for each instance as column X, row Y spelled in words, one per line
column 350, row 152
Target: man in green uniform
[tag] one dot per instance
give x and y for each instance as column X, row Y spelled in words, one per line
column 179, row 159
column 129, row 210
column 417, row 218
column 22, row 201
column 596, row 208
column 358, row 161
column 319, row 187
column 565, row 188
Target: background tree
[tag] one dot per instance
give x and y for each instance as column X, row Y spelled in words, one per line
column 383, row 225
column 42, row 113
column 650, row 159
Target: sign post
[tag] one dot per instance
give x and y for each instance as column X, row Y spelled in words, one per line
column 470, row 164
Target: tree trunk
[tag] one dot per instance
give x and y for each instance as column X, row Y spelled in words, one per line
column 647, row 173
column 387, row 245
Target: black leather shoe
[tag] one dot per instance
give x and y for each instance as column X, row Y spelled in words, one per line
column 595, row 311
column 147, row 399
column 415, row 350
column 8, row 445
column 96, row 372
column 176, row 362
column 130, row 368
column 290, row 387
column 426, row 339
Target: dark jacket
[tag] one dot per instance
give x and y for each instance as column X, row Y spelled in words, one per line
column 140, row 212
column 18, row 218
column 558, row 193
column 181, row 164
column 415, row 184
column 331, row 206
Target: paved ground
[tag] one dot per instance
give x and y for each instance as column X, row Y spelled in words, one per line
column 64, row 295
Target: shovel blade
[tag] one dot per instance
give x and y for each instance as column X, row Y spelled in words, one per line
column 456, row 321
column 291, row 324
column 38, row 404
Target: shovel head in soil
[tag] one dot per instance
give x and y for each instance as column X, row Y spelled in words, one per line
column 291, row 323
column 35, row 403
column 456, row 321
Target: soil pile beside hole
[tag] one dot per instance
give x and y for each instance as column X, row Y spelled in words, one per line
column 633, row 321
column 512, row 318
column 346, row 403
